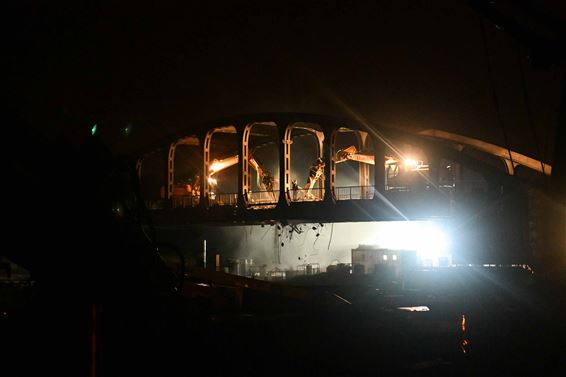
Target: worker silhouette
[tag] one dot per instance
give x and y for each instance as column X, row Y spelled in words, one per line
column 269, row 182
column 295, row 187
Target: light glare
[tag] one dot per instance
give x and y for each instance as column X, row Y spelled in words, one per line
column 425, row 237
column 409, row 162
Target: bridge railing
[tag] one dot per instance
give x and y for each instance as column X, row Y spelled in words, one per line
column 304, row 195
column 185, row 201
column 155, row 203
column 354, row 192
column 268, row 199
column 223, row 199
column 263, row 198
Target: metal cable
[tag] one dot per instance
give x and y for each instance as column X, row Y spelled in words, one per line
column 530, row 119
column 494, row 92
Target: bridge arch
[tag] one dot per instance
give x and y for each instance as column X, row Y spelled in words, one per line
column 352, row 149
column 190, row 195
column 260, row 153
column 213, row 165
column 294, row 174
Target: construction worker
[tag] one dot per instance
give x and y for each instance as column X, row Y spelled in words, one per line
column 295, row 187
column 268, row 181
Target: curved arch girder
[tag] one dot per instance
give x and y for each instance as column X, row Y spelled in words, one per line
column 495, row 150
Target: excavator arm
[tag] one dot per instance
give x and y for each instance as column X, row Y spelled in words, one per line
column 219, row 165
column 351, row 153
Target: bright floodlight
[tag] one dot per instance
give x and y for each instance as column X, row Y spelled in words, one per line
column 425, row 237
column 411, row 163
column 433, row 244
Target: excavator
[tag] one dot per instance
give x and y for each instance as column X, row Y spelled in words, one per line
column 316, row 172
column 267, row 179
column 352, row 154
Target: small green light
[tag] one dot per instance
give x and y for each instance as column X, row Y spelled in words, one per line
column 93, row 129
column 128, row 130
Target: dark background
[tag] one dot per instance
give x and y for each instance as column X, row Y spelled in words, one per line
column 164, row 67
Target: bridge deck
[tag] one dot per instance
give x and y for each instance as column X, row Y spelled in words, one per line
column 393, row 206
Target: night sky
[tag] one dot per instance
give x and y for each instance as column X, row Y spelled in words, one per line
column 411, row 64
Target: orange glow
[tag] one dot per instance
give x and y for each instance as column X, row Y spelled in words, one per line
column 463, row 346
column 409, row 162
column 214, row 167
column 218, row 165
column 464, row 343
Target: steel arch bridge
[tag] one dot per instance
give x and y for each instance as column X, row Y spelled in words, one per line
column 391, row 183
